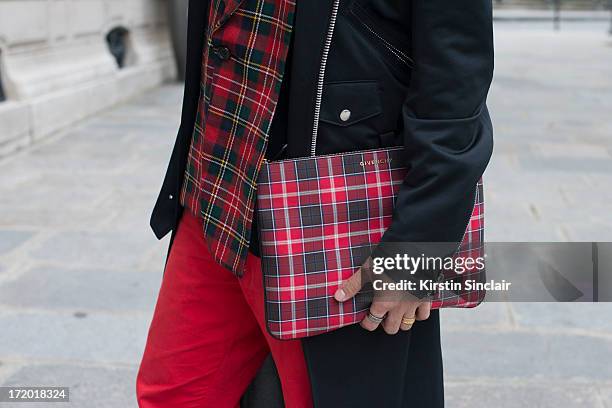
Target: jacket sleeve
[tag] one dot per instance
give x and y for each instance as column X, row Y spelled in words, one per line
column 447, row 130
column 166, row 211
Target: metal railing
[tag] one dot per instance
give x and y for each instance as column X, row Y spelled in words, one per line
column 2, row 96
column 548, row 4
column 558, row 7
column 610, row 8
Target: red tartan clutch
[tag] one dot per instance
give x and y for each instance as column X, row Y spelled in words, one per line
column 316, row 216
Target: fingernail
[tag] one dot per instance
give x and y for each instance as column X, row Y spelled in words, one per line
column 340, row 295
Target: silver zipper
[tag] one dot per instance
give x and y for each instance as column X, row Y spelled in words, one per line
column 331, row 155
column 399, row 54
column 476, row 199
column 441, row 278
column 327, row 46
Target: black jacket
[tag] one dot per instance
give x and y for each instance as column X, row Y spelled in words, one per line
column 412, row 72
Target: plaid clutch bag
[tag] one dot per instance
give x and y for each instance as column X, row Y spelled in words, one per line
column 318, row 219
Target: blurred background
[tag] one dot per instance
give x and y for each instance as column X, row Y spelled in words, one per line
column 90, row 101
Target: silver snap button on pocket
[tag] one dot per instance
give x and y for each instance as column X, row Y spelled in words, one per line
column 345, row 115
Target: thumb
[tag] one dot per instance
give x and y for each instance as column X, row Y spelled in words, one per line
column 349, row 287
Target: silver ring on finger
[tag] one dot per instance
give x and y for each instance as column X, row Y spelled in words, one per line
column 375, row 319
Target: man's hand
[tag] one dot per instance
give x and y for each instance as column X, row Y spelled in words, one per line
column 399, row 312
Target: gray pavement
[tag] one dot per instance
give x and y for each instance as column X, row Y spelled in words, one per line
column 79, row 268
column 549, row 180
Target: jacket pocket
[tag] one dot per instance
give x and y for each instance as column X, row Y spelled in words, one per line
column 350, row 117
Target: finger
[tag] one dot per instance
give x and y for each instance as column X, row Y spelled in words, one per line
column 349, row 287
column 423, row 311
column 392, row 322
column 408, row 319
column 377, row 310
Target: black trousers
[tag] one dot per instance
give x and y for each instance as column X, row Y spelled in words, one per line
column 355, row 368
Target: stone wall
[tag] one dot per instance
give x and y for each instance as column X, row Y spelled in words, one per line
column 56, row 66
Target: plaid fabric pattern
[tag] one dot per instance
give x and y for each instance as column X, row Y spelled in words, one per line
column 318, row 220
column 242, row 69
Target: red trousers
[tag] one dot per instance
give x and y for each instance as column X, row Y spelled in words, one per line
column 208, row 337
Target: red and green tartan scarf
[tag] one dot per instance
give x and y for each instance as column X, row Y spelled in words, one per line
column 243, row 62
